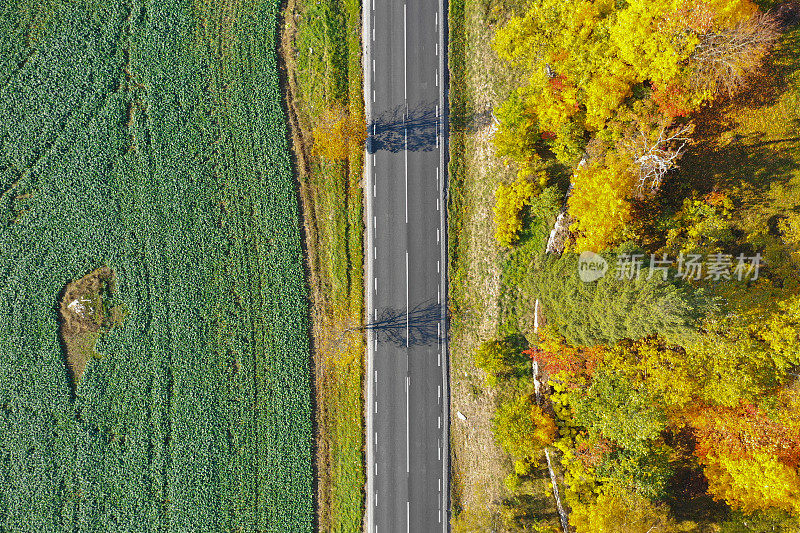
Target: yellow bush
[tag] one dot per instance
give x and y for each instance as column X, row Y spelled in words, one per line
column 509, row 202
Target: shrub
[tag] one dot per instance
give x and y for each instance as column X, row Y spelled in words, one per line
column 510, row 200
column 501, row 359
column 522, row 428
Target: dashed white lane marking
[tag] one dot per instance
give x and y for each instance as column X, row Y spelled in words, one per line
column 440, row 449
column 437, row 204
column 375, row 222
column 439, row 388
column 376, row 407
column 440, row 427
column 376, row 285
column 374, row 252
column 373, row 66
column 437, row 235
column 376, row 472
column 373, row 96
column 405, row 158
column 438, row 292
column 408, row 516
column 376, row 314
column 439, row 358
column 408, row 315
column 437, row 76
column 376, row 438
column 440, row 484
column 373, row 33
column 408, row 428
column 376, row 376
column 405, row 52
column 438, row 266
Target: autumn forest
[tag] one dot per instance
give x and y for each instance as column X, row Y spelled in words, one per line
column 644, row 361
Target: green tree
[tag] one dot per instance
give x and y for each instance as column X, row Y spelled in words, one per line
column 770, row 521
column 501, row 358
column 729, row 362
column 610, row 309
column 622, row 411
column 645, row 472
column 518, row 137
column 522, row 428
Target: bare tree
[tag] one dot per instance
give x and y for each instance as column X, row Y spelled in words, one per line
column 656, row 152
column 724, row 59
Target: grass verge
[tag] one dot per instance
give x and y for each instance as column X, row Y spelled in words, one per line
column 321, row 49
column 479, row 269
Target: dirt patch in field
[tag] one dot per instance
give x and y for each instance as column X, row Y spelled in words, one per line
column 87, row 310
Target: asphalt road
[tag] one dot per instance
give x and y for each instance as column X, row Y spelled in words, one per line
column 407, row 422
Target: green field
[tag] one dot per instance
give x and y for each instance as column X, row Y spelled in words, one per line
column 150, row 138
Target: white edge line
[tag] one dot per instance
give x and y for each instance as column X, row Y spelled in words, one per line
column 367, row 31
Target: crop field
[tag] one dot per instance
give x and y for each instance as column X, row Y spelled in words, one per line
column 149, row 138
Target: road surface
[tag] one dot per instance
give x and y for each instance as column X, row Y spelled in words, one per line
column 407, row 415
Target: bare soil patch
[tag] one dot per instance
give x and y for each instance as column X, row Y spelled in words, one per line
column 87, row 310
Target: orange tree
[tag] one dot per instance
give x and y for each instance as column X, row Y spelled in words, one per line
column 751, row 459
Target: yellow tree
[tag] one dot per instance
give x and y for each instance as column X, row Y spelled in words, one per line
column 585, row 59
column 782, row 333
column 337, row 132
column 522, row 428
column 617, row 510
column 599, row 201
column 751, row 459
column 758, row 482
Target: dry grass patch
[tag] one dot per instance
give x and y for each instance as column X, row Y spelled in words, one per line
column 479, row 465
column 477, row 462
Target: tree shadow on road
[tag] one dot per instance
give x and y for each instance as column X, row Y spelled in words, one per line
column 417, row 327
column 395, row 130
